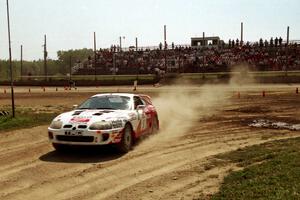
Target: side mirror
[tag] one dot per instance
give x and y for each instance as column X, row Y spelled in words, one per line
column 140, row 107
column 75, row 106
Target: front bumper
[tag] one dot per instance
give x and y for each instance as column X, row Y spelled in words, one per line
column 85, row 137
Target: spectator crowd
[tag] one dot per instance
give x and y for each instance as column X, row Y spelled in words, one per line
column 262, row 56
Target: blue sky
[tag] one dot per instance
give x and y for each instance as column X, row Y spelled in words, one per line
column 69, row 24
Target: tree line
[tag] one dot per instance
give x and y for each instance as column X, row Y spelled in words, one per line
column 55, row 67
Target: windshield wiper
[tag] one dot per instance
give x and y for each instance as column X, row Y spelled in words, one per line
column 106, row 108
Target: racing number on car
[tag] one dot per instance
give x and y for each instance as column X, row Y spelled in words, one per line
column 141, row 112
column 142, row 119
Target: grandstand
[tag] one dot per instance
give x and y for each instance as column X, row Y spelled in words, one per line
column 273, row 55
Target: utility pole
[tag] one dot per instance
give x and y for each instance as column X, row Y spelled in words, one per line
column 45, row 57
column 288, row 35
column 120, row 43
column 95, row 56
column 21, row 70
column 204, row 44
column 286, row 50
column 136, row 44
column 165, row 49
column 70, row 69
column 114, row 63
column 203, row 39
column 10, row 64
column 165, row 36
column 242, row 33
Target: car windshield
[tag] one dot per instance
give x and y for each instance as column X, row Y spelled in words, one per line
column 113, row 102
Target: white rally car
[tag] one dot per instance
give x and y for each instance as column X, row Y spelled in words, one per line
column 112, row 118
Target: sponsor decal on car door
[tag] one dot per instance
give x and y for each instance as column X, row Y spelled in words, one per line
column 142, row 121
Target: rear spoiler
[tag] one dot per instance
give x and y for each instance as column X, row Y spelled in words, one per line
column 146, row 98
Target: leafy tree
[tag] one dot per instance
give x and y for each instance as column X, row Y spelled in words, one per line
column 76, row 55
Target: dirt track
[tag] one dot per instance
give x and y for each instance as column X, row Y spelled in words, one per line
column 177, row 167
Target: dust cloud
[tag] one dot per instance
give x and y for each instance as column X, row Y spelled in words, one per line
column 179, row 109
column 241, row 76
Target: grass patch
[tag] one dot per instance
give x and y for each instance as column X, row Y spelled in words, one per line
column 25, row 120
column 271, row 171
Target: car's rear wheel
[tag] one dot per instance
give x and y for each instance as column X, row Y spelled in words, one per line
column 154, row 128
column 126, row 143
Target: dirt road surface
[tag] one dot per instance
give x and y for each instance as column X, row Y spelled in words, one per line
column 177, row 163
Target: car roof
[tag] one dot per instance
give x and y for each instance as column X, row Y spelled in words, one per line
column 117, row 94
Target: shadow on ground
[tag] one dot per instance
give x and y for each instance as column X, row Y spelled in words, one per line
column 82, row 155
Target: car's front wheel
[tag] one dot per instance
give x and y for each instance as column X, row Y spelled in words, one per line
column 126, row 143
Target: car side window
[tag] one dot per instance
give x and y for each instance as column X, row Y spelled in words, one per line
column 137, row 101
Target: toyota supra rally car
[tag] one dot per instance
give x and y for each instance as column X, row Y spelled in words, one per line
column 112, row 118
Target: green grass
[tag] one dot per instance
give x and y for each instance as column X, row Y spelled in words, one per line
column 271, row 171
column 25, row 120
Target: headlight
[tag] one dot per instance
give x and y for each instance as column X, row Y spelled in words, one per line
column 56, row 125
column 101, row 126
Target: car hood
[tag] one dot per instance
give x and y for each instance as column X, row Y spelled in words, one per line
column 90, row 116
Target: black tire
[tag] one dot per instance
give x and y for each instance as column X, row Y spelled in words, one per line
column 59, row 147
column 126, row 143
column 154, row 128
